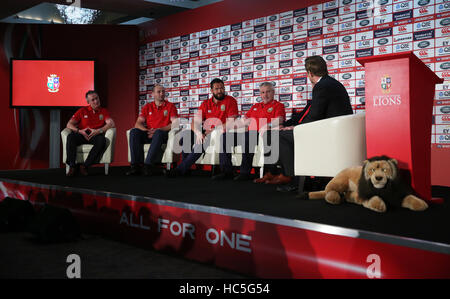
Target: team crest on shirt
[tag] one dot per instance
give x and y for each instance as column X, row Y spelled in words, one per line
column 100, row 117
column 270, row 109
column 165, row 113
column 222, row 107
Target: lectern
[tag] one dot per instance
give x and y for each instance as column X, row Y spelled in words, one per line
column 399, row 92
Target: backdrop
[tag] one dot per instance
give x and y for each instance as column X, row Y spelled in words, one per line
column 248, row 42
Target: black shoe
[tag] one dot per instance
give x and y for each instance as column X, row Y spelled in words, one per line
column 135, row 170
column 71, row 172
column 83, row 170
column 147, row 170
column 222, row 176
column 172, row 173
column 242, row 177
column 287, row 188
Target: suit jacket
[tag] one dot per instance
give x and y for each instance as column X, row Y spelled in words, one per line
column 329, row 99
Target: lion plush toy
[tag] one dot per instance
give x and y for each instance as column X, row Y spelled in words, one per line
column 372, row 185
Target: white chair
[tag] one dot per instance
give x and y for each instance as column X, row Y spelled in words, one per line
column 211, row 154
column 167, row 157
column 325, row 147
column 84, row 149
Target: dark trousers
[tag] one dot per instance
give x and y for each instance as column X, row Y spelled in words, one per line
column 137, row 140
column 191, row 152
column 287, row 152
column 247, row 140
column 271, row 154
column 76, row 139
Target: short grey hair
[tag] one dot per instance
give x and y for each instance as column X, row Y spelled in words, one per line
column 268, row 84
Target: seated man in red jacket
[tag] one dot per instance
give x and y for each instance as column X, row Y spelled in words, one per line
column 261, row 118
column 215, row 113
column 152, row 126
column 88, row 125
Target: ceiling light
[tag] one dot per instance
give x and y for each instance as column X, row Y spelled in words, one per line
column 77, row 15
column 136, row 21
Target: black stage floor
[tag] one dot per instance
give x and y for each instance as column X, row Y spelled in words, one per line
column 430, row 225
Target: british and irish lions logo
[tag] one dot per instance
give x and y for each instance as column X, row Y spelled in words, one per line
column 386, row 83
column 53, row 83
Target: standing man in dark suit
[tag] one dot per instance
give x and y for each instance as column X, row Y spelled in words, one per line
column 329, row 99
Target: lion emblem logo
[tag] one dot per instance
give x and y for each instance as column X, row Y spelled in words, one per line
column 386, row 84
column 53, row 83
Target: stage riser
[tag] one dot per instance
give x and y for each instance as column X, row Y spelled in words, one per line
column 259, row 248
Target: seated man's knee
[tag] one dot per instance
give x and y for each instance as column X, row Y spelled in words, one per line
column 160, row 133
column 134, row 132
column 100, row 140
column 71, row 137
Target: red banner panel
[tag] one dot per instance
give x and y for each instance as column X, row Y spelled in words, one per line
column 254, row 244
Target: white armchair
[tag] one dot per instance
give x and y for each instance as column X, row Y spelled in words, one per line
column 325, row 147
column 211, row 154
column 84, row 149
column 168, row 156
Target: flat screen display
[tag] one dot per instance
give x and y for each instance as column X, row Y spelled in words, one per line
column 51, row 83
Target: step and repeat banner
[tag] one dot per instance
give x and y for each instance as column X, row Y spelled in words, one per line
column 273, row 48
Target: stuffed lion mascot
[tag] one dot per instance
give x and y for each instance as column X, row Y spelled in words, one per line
column 373, row 185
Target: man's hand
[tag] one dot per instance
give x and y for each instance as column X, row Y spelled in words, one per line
column 199, row 137
column 93, row 133
column 263, row 129
column 150, row 132
column 208, row 131
column 84, row 133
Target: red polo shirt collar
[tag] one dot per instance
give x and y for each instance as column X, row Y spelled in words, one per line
column 95, row 110
column 163, row 104
column 271, row 102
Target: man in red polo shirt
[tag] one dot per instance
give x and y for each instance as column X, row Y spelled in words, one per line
column 152, row 126
column 213, row 113
column 88, row 125
column 261, row 118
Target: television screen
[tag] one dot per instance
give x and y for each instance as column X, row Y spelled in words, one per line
column 50, row 83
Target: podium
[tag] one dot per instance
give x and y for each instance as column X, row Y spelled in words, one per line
column 399, row 92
